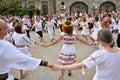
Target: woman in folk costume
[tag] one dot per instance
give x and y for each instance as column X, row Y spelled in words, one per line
column 96, row 28
column 105, row 24
column 26, row 22
column 50, row 28
column 38, row 27
column 11, row 30
column 106, row 61
column 85, row 30
column 20, row 41
column 11, row 57
column 67, row 54
column 76, row 24
column 90, row 21
column 60, row 23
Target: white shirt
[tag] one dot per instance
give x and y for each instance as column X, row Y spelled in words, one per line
column 38, row 26
column 107, row 65
column 11, row 57
column 96, row 28
column 60, row 22
column 26, row 21
column 49, row 26
column 53, row 21
column 22, row 39
column 76, row 23
column 11, row 29
column 24, row 28
column 90, row 20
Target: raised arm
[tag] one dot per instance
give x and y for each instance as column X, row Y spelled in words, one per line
column 69, row 67
column 54, row 42
column 82, row 40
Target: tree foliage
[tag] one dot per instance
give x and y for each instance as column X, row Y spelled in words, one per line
column 11, row 7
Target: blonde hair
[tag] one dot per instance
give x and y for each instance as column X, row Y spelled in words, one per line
column 80, row 19
column 84, row 19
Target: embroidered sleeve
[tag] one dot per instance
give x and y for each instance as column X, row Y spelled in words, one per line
column 28, row 40
column 95, row 59
column 16, row 59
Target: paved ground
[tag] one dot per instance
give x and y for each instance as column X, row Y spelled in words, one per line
column 51, row 54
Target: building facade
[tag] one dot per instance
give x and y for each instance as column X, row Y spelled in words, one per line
column 71, row 6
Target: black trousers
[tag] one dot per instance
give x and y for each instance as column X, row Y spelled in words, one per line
column 40, row 33
column 28, row 33
column 16, row 79
column 4, row 77
column 118, row 40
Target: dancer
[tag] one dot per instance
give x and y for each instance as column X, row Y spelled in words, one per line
column 96, row 28
column 67, row 55
column 85, row 30
column 38, row 28
column 26, row 22
column 11, row 57
column 107, row 60
column 50, row 28
column 21, row 41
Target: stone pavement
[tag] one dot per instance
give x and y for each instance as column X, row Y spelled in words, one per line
column 51, row 54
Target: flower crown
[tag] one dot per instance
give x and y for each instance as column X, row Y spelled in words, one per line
column 70, row 25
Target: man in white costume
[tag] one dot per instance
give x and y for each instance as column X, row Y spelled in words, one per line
column 11, row 57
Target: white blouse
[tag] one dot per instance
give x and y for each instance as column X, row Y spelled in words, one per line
column 11, row 57
column 38, row 26
column 22, row 39
column 49, row 26
column 107, row 65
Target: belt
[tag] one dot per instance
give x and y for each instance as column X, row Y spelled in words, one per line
column 19, row 46
column 3, row 76
column 69, row 43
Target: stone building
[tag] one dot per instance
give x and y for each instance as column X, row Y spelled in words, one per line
column 71, row 6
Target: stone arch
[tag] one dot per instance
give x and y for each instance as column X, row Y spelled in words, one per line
column 107, row 6
column 45, row 9
column 78, row 6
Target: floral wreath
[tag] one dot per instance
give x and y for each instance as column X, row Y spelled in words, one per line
column 70, row 25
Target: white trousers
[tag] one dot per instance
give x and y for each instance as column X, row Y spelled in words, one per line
column 51, row 33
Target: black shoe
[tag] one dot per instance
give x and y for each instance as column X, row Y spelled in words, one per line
column 69, row 73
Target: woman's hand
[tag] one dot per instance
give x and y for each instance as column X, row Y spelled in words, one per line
column 56, row 67
column 44, row 45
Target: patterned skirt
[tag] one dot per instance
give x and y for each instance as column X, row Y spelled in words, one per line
column 66, row 59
